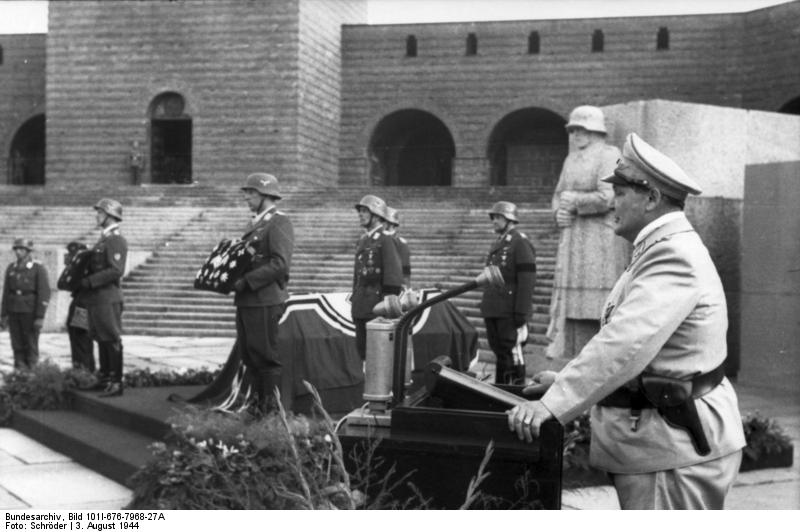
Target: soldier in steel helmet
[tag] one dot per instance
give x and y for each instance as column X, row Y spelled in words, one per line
column 378, row 270
column 391, row 225
column 101, row 291
column 261, row 292
column 26, row 294
column 506, row 309
column 590, row 256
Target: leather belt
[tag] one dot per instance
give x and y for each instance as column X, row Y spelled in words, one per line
column 630, row 398
column 23, row 292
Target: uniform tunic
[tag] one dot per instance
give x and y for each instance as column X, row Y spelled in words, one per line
column 260, row 305
column 666, row 315
column 377, row 272
column 26, row 294
column 102, row 287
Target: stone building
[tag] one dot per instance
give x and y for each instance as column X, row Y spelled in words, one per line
column 212, row 89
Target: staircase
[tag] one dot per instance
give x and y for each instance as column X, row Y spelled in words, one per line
column 447, row 229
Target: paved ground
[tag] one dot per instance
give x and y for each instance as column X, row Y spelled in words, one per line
column 35, row 477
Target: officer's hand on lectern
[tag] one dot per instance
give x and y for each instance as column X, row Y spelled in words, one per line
column 526, row 419
column 541, row 382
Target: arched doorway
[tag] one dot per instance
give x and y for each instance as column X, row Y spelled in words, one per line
column 792, row 107
column 528, row 147
column 27, row 155
column 170, row 140
column 411, row 148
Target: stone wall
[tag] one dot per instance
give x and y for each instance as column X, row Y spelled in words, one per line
column 22, row 88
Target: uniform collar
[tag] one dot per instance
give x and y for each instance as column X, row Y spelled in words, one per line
column 372, row 231
column 110, row 229
column 260, row 216
column 661, row 221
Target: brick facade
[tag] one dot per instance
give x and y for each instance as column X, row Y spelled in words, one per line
column 300, row 87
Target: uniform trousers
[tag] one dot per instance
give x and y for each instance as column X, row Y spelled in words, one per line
column 361, row 337
column 257, row 341
column 24, row 339
column 80, row 343
column 105, row 328
column 702, row 486
column 503, row 340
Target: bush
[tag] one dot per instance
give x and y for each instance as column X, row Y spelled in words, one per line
column 764, row 436
column 140, row 378
column 42, row 387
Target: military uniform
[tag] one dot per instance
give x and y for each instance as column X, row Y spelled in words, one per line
column 26, row 294
column 506, row 309
column 261, row 302
column 377, row 272
column 665, row 322
column 80, row 342
column 101, row 292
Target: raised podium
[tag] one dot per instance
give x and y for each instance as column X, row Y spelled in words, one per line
column 431, row 440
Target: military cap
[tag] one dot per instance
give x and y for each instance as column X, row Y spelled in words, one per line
column 506, row 209
column 643, row 165
column 24, row 243
column 392, row 216
column 109, row 206
column 588, row 117
column 75, row 246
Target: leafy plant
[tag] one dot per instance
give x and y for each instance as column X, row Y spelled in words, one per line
column 763, row 436
column 42, row 387
column 140, row 378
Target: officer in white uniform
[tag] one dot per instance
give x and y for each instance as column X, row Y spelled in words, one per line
column 666, row 424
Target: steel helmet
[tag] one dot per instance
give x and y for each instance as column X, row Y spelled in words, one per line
column 392, row 216
column 264, row 184
column 506, row 209
column 373, row 204
column 24, row 243
column 111, row 207
column 588, row 117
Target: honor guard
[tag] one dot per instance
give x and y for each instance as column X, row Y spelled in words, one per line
column 665, row 420
column 261, row 292
column 392, row 224
column 26, row 294
column 80, row 342
column 377, row 272
column 506, row 309
column 101, row 291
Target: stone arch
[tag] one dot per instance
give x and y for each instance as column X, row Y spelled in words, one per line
column 411, row 147
column 791, row 107
column 27, row 152
column 527, row 147
column 170, row 134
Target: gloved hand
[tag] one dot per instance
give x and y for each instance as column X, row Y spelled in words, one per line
column 85, row 283
column 541, row 382
column 567, row 201
column 37, row 323
column 564, row 218
column 240, row 286
column 519, row 320
column 393, row 307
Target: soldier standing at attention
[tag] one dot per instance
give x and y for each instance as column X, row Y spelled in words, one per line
column 261, row 292
column 26, row 294
column 506, row 309
column 378, row 272
column 80, row 342
column 392, row 224
column 102, row 293
column 665, row 422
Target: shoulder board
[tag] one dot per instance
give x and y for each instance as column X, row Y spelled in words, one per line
column 401, row 239
column 377, row 235
column 509, row 237
column 523, row 235
column 281, row 213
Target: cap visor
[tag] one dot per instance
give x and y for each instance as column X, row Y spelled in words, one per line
column 614, row 179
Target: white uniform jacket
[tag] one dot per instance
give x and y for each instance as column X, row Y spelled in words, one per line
column 666, row 315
